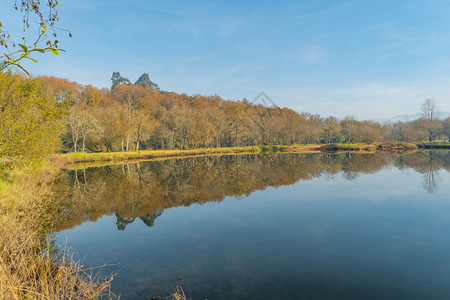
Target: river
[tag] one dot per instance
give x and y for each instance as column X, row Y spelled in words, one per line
column 275, row 226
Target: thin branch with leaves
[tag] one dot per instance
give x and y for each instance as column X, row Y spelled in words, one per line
column 45, row 23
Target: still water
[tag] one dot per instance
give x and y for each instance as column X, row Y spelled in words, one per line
column 286, row 226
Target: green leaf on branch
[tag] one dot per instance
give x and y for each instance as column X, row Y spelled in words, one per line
column 24, row 48
column 28, row 73
column 32, row 59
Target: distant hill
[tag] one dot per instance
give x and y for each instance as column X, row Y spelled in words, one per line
column 413, row 117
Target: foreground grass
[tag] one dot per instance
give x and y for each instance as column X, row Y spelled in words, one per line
column 31, row 266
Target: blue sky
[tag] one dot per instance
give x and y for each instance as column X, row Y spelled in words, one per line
column 368, row 59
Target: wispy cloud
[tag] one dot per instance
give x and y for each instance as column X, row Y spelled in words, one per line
column 315, row 54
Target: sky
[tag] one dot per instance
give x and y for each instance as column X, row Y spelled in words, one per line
column 366, row 59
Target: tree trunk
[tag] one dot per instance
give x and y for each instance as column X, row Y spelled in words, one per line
column 137, row 145
column 237, row 139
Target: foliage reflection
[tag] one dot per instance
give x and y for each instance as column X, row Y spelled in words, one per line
column 144, row 190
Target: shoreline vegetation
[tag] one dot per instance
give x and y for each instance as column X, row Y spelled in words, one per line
column 434, row 145
column 73, row 160
column 31, row 265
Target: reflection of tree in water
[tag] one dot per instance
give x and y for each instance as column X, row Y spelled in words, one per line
column 427, row 163
column 144, row 190
column 431, row 178
column 350, row 175
column 123, row 222
column 148, row 220
column 353, row 164
column 431, row 181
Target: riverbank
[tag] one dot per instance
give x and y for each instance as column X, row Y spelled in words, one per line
column 434, row 145
column 31, row 265
column 70, row 159
column 101, row 158
column 389, row 147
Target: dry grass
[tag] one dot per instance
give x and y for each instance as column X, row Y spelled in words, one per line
column 31, row 266
column 82, row 157
column 349, row 147
column 393, row 147
column 396, row 146
column 178, row 294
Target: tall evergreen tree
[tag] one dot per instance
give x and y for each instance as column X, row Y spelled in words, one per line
column 118, row 79
column 144, row 81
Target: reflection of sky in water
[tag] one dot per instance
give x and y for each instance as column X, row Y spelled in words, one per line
column 379, row 236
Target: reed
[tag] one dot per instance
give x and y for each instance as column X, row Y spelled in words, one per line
column 31, row 265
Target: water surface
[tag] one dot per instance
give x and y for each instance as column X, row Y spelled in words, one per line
column 287, row 226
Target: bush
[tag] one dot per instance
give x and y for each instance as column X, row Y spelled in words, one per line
column 29, row 121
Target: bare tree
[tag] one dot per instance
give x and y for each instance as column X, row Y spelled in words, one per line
column 431, row 113
column 75, row 124
column 82, row 125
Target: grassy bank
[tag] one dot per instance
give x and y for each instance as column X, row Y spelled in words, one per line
column 349, row 147
column 434, row 145
column 296, row 148
column 31, row 266
column 396, row 147
column 103, row 158
column 82, row 157
column 391, row 147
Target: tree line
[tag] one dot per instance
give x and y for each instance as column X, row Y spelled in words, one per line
column 142, row 116
column 44, row 114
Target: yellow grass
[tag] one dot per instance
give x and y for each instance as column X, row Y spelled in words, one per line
column 31, row 266
column 82, row 157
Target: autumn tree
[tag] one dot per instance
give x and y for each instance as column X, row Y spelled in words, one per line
column 108, row 118
column 446, row 129
column 137, row 116
column 83, row 125
column 349, row 127
column 238, row 123
column 331, row 130
column 65, row 91
column 142, row 128
column 29, row 120
column 91, row 95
